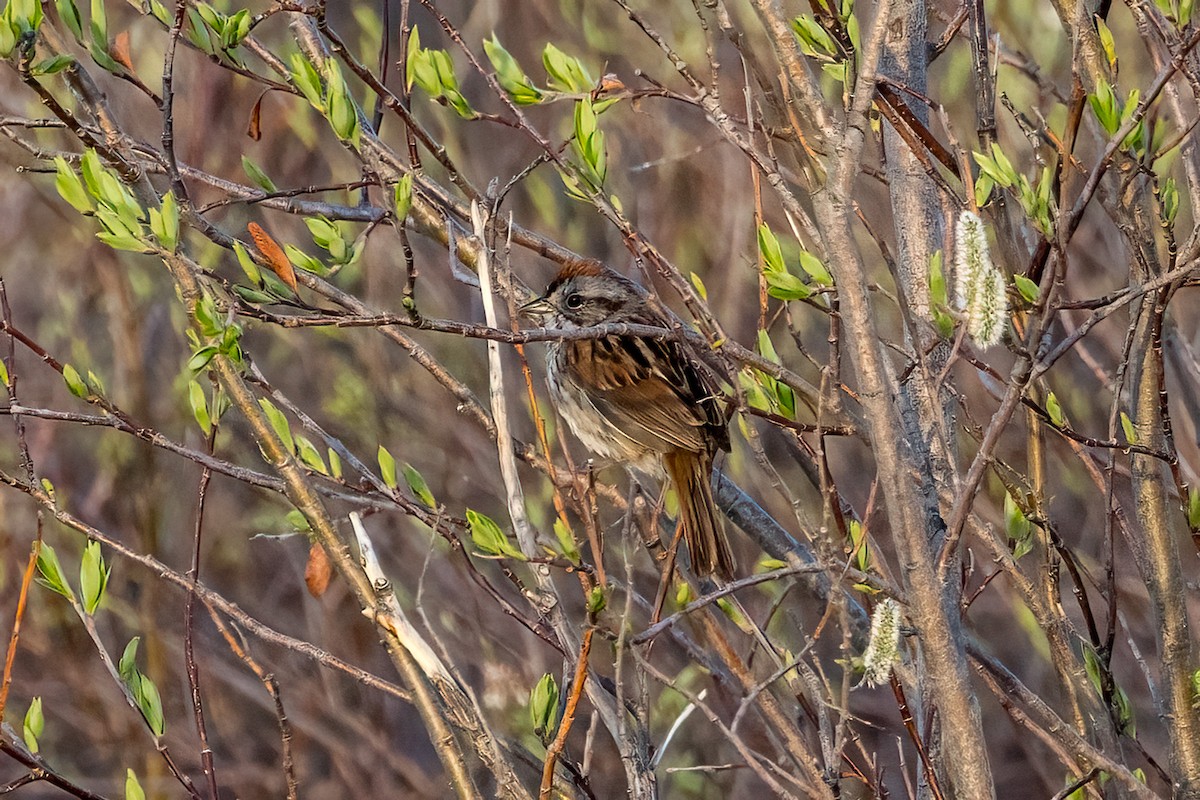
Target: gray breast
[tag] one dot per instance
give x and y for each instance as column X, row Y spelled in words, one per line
column 591, row 427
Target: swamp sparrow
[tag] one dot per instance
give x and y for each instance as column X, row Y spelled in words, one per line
column 637, row 401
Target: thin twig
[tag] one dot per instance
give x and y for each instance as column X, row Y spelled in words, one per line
column 189, row 620
column 568, row 719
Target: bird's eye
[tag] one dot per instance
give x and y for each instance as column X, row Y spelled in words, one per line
column 574, row 300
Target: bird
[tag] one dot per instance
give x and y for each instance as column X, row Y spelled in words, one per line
column 637, row 401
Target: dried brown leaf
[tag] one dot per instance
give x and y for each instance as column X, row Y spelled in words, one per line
column 254, row 129
column 609, row 84
column 120, row 52
column 277, row 260
column 317, row 571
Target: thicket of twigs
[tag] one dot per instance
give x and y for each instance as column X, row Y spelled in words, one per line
column 287, row 510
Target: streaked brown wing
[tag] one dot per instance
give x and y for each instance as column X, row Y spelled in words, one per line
column 649, row 391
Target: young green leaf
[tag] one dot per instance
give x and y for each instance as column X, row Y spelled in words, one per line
column 1018, row 527
column 93, row 577
column 852, row 30
column 213, row 19
column 437, row 77
column 1168, row 196
column 1003, row 164
column 1106, row 107
column 127, row 666
column 543, row 708
column 201, row 358
column 735, row 614
column 1106, row 42
column 772, row 253
column 683, row 594
column 1054, row 410
column 997, row 167
column 309, row 455
column 279, row 424
column 35, row 724
column 335, row 463
column 8, row 36
column 133, row 789
column 815, row 41
column 90, row 169
column 1193, row 508
column 565, row 72
column 118, row 241
column 1129, row 429
column 50, row 573
column 150, row 703
column 99, row 24
column 509, row 75
column 94, row 384
column 74, row 382
column 343, row 113
column 1029, row 290
column 323, row 231
column 859, row 547
column 487, row 536
column 199, row 403
column 70, row 187
column 815, row 269
column 198, row 32
column 304, row 261
column 237, row 28
column 766, row 347
column 597, row 601
column 387, row 467
column 298, row 522
column 247, row 263
column 786, row 286
column 752, row 387
column 983, row 189
column 423, row 71
column 306, row 78
column 588, row 143
column 1126, row 722
column 566, row 541
column 402, row 201
column 68, row 12
column 164, row 222
column 257, row 176
column 418, row 486
column 937, row 280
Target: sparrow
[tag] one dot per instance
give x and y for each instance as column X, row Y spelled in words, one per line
column 640, row 402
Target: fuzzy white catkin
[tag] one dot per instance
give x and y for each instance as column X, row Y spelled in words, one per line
column 971, row 257
column 987, row 317
column 883, row 648
column 979, row 286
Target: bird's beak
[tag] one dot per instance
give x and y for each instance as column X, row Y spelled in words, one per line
column 537, row 309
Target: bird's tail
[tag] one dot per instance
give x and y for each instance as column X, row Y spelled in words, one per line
column 691, row 475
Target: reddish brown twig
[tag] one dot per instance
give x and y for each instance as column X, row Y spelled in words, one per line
column 909, row 725
column 193, row 670
column 16, row 630
column 564, row 727
column 240, row 650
